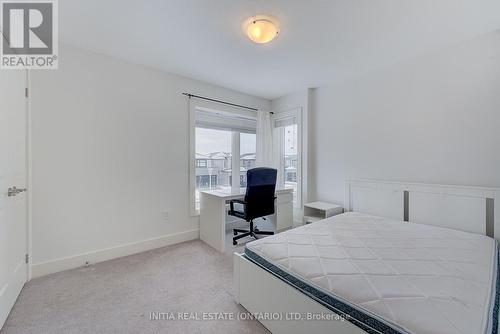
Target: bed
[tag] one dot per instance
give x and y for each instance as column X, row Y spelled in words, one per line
column 372, row 271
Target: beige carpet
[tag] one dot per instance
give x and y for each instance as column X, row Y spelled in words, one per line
column 118, row 296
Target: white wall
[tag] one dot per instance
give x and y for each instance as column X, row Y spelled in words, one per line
column 435, row 119
column 110, row 156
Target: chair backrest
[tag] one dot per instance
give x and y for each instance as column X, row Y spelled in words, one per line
column 261, row 185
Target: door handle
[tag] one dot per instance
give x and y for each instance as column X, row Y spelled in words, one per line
column 14, row 191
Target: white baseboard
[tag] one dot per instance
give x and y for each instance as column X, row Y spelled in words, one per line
column 71, row 262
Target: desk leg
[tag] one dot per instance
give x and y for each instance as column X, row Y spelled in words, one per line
column 213, row 221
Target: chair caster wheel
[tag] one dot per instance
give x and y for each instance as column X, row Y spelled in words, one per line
column 235, row 242
column 256, row 229
column 235, row 233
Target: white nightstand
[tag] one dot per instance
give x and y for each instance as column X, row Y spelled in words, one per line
column 316, row 211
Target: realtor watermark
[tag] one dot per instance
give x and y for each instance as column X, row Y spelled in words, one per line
column 241, row 316
column 29, row 32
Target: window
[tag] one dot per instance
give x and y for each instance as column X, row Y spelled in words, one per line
column 288, row 160
column 222, row 137
column 287, row 141
column 213, row 160
column 201, row 163
column 248, row 143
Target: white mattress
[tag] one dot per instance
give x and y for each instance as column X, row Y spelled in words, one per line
column 419, row 278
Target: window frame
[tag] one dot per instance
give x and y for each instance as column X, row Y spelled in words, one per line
column 278, row 148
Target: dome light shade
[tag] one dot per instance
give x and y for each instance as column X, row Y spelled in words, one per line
column 261, row 29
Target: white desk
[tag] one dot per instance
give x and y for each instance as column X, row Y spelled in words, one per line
column 213, row 214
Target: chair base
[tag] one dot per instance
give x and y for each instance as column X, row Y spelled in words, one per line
column 253, row 232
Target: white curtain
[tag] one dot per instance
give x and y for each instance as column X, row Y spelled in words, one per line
column 265, row 146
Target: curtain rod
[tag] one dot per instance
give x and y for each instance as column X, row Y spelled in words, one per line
column 219, row 101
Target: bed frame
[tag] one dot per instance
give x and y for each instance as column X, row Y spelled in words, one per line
column 470, row 209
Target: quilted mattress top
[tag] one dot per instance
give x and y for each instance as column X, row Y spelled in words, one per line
column 419, row 278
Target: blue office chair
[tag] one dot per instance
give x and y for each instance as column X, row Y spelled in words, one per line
column 259, row 201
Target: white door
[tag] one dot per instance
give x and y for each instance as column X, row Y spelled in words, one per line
column 13, row 212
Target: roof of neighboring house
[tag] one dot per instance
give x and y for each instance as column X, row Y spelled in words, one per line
column 229, row 170
column 201, row 156
column 248, row 156
column 219, row 155
column 214, row 156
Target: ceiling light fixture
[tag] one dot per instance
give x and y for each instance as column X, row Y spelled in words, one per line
column 261, row 28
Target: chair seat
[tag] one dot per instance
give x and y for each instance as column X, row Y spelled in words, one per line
column 238, row 214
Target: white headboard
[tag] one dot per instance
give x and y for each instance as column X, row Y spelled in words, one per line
column 470, row 209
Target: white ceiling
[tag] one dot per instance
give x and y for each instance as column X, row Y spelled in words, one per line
column 321, row 41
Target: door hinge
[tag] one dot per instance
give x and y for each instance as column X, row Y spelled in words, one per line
column 26, row 92
column 27, row 258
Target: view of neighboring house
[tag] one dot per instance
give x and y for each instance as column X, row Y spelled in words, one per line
column 247, row 161
column 213, row 170
column 291, row 168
